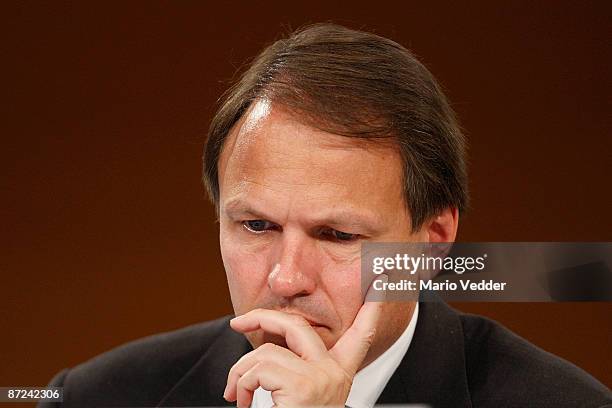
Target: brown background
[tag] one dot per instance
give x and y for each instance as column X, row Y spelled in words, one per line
column 108, row 236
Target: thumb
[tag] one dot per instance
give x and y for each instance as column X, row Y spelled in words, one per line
column 351, row 349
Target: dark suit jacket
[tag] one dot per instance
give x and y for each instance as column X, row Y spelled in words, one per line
column 454, row 360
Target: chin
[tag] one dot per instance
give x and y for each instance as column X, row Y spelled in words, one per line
column 326, row 335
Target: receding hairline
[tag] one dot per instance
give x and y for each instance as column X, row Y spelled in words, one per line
column 358, row 84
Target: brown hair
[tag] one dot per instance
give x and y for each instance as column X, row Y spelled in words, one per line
column 356, row 84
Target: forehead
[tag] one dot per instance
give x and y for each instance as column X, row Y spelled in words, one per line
column 271, row 152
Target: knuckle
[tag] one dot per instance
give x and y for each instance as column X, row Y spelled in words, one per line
column 369, row 336
column 264, row 351
column 305, row 385
column 235, row 370
column 263, row 366
column 266, row 348
column 243, row 359
column 245, row 379
column 327, row 378
column 242, row 381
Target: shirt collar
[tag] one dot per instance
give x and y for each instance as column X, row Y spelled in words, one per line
column 370, row 381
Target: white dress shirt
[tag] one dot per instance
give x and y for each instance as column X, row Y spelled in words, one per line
column 370, row 381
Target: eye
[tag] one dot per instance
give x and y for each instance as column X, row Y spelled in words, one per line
column 258, row 226
column 340, row 235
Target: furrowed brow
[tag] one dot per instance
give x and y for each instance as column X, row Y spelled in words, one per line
column 364, row 223
column 237, row 208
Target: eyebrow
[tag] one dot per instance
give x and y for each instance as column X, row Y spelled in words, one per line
column 235, row 208
column 365, row 222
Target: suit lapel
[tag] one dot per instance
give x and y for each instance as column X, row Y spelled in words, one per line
column 204, row 383
column 433, row 371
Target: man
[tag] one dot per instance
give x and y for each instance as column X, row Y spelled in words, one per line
column 330, row 139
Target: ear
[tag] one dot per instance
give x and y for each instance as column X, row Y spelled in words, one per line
column 443, row 227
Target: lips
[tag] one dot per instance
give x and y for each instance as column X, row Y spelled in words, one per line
column 310, row 320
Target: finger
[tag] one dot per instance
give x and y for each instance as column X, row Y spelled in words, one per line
column 267, row 352
column 301, row 338
column 267, row 375
column 350, row 350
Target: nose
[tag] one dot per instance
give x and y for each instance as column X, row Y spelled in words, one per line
column 293, row 275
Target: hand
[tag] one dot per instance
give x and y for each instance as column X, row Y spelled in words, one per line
column 305, row 374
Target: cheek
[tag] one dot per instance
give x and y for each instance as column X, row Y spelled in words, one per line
column 246, row 272
column 343, row 286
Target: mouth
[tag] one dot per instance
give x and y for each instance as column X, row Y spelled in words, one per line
column 313, row 323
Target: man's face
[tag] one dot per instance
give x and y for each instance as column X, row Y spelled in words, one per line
column 295, row 205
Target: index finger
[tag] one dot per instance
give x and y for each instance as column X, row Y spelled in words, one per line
column 301, row 338
column 351, row 349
